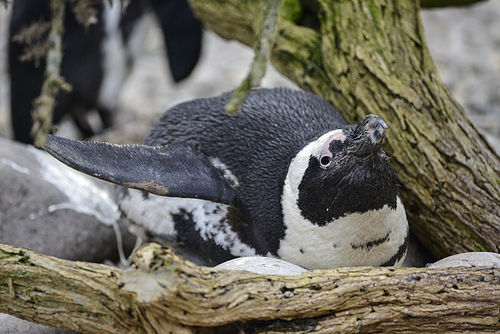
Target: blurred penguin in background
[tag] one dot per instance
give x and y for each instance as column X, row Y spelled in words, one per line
column 97, row 55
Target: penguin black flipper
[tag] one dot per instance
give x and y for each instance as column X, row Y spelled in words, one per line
column 175, row 170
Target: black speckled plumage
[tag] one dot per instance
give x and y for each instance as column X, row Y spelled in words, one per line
column 258, row 158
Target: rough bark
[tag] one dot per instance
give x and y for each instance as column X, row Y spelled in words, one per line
column 74, row 295
column 167, row 293
column 370, row 56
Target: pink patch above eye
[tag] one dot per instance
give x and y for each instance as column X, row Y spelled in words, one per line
column 336, row 136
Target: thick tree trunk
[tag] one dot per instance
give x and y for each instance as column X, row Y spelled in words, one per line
column 370, row 56
column 167, row 293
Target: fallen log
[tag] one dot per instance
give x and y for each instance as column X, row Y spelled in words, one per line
column 166, row 293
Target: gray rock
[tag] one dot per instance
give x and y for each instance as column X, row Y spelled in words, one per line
column 13, row 325
column 262, row 265
column 52, row 209
column 472, row 259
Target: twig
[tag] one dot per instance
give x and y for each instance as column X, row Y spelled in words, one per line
column 263, row 49
column 45, row 103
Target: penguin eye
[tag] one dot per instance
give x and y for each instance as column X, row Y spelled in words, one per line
column 325, row 160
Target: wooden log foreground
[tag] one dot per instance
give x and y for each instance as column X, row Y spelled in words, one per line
column 168, row 294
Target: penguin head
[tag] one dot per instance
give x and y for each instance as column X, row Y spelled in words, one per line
column 341, row 190
column 367, row 137
column 352, row 143
column 347, row 172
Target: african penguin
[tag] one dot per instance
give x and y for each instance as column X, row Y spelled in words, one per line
column 285, row 178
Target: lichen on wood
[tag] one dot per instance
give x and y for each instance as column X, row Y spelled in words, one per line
column 166, row 293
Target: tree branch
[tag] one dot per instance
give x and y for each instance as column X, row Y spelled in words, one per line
column 74, row 295
column 45, row 103
column 263, row 50
column 169, row 293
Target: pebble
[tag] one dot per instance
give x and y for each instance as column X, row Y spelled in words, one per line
column 472, row 259
column 13, row 325
column 262, row 265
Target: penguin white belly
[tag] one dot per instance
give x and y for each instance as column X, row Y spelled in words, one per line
column 115, row 61
column 161, row 215
column 368, row 239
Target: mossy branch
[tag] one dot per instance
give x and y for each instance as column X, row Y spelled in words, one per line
column 44, row 105
column 265, row 41
column 166, row 293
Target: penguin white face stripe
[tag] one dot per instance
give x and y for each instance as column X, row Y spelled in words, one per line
column 299, row 164
column 366, row 239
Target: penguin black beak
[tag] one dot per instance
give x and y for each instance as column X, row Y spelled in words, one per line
column 368, row 136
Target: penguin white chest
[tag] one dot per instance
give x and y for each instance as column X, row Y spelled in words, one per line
column 372, row 238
